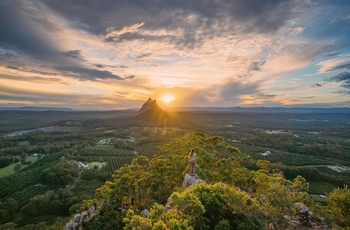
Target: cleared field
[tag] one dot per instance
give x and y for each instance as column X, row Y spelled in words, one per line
column 317, row 198
column 8, row 170
column 276, row 131
column 98, row 164
column 338, row 168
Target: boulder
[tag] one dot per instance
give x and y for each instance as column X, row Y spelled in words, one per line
column 71, row 226
column 91, row 211
column 76, row 218
column 191, row 180
column 83, row 215
column 304, row 219
column 144, row 213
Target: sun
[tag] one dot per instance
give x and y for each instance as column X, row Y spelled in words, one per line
column 167, row 98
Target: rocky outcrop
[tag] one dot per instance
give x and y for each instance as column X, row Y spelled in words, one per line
column 78, row 218
column 304, row 219
column 191, row 180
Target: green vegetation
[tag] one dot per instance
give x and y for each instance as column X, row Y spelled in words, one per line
column 15, row 165
column 339, row 205
column 235, row 197
column 300, row 144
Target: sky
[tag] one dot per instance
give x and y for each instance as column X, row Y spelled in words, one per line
column 115, row 54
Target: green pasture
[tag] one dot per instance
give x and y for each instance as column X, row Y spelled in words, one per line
column 8, row 170
column 98, row 164
column 24, row 143
column 106, row 141
column 317, row 198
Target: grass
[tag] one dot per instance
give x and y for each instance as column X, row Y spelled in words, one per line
column 317, row 198
column 8, row 170
column 106, row 141
column 98, row 164
column 24, row 143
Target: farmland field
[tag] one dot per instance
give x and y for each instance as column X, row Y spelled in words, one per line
column 8, row 170
column 114, row 157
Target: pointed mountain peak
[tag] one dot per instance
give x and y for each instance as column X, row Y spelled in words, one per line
column 150, row 104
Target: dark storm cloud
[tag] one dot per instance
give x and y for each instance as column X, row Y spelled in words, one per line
column 196, row 19
column 76, row 54
column 344, row 76
column 88, row 74
column 17, row 33
column 21, row 31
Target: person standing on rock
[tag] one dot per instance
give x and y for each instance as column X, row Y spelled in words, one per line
column 192, row 160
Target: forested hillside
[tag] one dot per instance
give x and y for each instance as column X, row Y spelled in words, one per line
column 240, row 193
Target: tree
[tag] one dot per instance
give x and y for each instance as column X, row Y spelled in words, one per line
column 339, row 205
column 60, row 174
column 17, row 167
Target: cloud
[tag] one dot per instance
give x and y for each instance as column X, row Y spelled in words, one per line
column 185, row 23
column 195, row 44
column 76, row 54
column 36, row 79
column 88, row 74
column 130, row 77
column 232, row 89
column 343, row 91
column 20, row 31
column 335, row 65
column 101, row 66
column 344, row 78
column 256, row 65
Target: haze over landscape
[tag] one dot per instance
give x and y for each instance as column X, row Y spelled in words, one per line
column 114, row 54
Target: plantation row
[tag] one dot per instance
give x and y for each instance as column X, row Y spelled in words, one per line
column 36, row 220
column 24, row 196
column 27, row 176
column 105, row 151
column 114, row 163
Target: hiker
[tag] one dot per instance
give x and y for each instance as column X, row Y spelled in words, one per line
column 192, row 160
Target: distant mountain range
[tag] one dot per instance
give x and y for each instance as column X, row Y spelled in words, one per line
column 265, row 109
column 36, row 108
column 151, row 104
